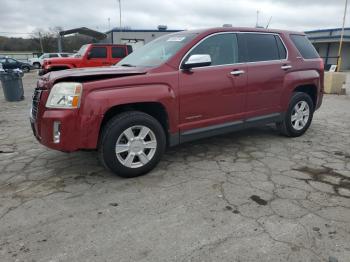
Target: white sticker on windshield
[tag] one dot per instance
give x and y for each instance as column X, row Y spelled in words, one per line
column 176, row 39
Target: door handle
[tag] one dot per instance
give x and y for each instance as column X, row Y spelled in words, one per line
column 286, row 67
column 237, row 72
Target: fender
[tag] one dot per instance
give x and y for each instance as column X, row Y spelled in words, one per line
column 99, row 101
column 299, row 78
column 50, row 66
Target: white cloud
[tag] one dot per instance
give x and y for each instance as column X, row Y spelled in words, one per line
column 26, row 15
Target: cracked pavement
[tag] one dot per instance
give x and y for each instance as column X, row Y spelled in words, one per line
column 246, row 196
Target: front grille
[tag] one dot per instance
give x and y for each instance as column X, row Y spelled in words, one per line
column 35, row 103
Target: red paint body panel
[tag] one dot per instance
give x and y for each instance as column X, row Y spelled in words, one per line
column 211, row 95
column 199, row 98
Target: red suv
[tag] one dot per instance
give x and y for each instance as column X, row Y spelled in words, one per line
column 180, row 87
column 90, row 55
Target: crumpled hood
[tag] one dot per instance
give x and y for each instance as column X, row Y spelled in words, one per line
column 98, row 72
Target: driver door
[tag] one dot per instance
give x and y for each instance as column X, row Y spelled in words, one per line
column 97, row 56
column 215, row 94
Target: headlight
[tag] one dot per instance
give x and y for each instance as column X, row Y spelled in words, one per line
column 65, row 95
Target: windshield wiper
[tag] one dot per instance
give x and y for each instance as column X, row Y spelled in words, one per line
column 128, row 65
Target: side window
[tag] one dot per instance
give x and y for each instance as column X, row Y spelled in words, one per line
column 304, row 46
column 261, row 47
column 281, row 48
column 64, row 55
column 53, row 55
column 118, row 52
column 98, row 52
column 129, row 49
column 45, row 56
column 11, row 61
column 222, row 48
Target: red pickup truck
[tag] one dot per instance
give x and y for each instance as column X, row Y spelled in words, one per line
column 90, row 55
column 180, row 87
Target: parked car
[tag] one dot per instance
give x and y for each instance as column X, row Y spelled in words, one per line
column 10, row 63
column 90, row 55
column 178, row 88
column 37, row 62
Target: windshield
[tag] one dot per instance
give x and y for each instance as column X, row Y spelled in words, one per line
column 81, row 51
column 158, row 51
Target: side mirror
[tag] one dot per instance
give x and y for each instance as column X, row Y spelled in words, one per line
column 197, row 61
column 88, row 56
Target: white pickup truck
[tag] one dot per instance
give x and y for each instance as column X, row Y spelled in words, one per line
column 37, row 62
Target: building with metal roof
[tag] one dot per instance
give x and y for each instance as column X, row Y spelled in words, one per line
column 136, row 37
column 326, row 42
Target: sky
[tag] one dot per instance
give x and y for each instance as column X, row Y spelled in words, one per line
column 22, row 17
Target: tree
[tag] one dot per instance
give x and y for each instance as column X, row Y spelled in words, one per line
column 44, row 41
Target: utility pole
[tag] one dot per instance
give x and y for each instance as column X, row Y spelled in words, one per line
column 120, row 21
column 59, row 42
column 41, row 43
column 257, row 19
column 342, row 37
column 109, row 23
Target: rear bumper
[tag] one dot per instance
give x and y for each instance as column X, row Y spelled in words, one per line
column 319, row 100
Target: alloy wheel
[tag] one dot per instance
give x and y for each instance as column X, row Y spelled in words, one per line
column 136, row 146
column 300, row 115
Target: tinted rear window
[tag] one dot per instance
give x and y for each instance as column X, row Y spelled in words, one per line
column 261, row 47
column 118, row 52
column 304, row 46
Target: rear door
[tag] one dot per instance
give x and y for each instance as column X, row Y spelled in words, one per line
column 267, row 64
column 97, row 56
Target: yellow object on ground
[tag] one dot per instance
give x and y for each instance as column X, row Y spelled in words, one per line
column 333, row 82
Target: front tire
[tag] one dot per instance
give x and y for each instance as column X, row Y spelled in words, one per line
column 131, row 144
column 298, row 116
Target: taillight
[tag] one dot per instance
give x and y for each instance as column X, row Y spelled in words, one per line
column 321, row 64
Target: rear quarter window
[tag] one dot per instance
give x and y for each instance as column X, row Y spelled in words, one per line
column 306, row 49
column 118, row 52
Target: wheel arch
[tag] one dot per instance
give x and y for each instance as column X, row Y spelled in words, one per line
column 154, row 109
column 309, row 89
column 59, row 67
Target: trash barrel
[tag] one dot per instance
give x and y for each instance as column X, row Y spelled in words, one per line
column 11, row 81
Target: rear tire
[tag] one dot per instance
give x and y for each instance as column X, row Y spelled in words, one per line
column 131, row 144
column 298, row 116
